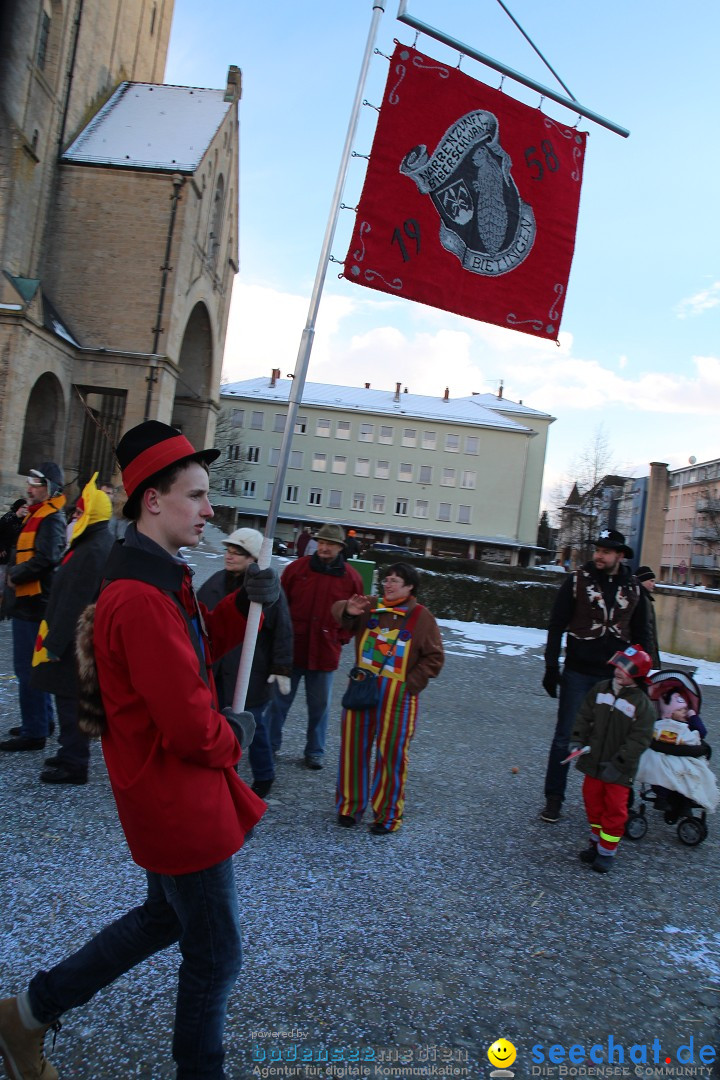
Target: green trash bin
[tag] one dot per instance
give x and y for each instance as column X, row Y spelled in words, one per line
column 366, row 570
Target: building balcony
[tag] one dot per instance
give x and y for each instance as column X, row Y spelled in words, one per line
column 705, row 562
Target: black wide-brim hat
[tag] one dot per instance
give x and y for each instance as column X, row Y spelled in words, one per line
column 150, row 447
column 614, row 541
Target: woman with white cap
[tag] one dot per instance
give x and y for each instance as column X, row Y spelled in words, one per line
column 272, row 662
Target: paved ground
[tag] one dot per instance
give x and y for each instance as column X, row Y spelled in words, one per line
column 403, row 956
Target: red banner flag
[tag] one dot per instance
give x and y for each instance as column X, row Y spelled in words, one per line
column 470, row 201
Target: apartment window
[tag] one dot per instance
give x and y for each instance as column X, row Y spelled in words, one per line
column 296, row 459
column 362, row 466
column 382, row 470
column 229, row 485
column 405, row 471
column 43, row 41
column 339, row 464
column 248, row 489
column 301, row 425
column 358, row 501
column 322, row 429
column 367, row 432
column 256, row 420
column 401, row 507
column 421, row 508
column 253, row 454
column 279, row 423
column 443, row 513
column 274, row 456
column 448, row 478
column 291, row 493
column 467, row 479
column 425, row 474
column 233, row 452
column 472, row 444
column 385, row 434
column 315, row 497
column 334, row 499
column 342, row 429
column 429, row 440
column 238, row 417
column 269, row 491
column 377, row 505
column 452, row 444
column 409, row 436
column 319, row 462
column 463, row 515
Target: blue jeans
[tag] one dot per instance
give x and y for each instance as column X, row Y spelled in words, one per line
column 318, row 688
column 200, row 912
column 35, row 705
column 573, row 688
column 74, row 750
column 260, row 755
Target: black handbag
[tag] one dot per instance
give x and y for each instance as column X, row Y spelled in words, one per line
column 363, row 688
column 363, row 691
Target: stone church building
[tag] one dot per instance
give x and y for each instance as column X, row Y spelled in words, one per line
column 118, row 234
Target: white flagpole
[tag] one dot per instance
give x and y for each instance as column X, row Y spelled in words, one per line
column 301, row 365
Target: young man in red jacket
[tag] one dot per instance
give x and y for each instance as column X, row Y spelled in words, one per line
column 170, row 756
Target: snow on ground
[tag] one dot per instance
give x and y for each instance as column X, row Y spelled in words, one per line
column 473, row 638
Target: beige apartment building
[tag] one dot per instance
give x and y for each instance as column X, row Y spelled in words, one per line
column 118, row 234
column 461, row 476
column 682, row 532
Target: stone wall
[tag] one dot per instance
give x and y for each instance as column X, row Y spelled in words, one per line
column 688, row 622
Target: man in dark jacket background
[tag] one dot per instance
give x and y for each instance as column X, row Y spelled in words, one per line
column 40, row 545
column 603, row 609
column 76, row 584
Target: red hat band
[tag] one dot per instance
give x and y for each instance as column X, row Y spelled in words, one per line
column 154, row 459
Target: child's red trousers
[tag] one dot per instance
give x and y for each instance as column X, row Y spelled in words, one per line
column 606, row 806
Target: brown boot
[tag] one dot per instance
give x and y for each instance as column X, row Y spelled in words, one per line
column 22, row 1049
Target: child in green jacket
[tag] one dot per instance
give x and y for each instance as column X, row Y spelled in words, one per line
column 613, row 726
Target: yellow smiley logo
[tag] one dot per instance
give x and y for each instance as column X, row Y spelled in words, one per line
column 502, row 1053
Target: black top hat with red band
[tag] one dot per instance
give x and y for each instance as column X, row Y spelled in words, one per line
column 148, row 449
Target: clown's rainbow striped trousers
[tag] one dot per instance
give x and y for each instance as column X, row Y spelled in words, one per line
column 389, row 727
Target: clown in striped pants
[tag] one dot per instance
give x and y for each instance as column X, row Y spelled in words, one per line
column 388, row 727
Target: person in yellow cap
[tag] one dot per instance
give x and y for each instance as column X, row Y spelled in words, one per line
column 75, row 585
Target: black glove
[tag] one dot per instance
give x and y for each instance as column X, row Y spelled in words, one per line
column 262, row 586
column 243, row 726
column 551, row 678
column 608, row 773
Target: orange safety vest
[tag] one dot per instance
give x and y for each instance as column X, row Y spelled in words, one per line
column 26, row 540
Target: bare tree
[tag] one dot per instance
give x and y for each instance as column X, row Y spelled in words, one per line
column 227, row 471
column 588, row 498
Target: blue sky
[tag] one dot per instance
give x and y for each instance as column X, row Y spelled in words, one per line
column 639, row 348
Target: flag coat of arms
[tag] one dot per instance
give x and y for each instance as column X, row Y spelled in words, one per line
column 470, row 200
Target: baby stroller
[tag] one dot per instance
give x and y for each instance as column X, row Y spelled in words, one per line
column 673, row 775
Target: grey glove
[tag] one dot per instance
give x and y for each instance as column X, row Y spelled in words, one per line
column 573, row 746
column 243, row 726
column 609, row 774
column 262, row 586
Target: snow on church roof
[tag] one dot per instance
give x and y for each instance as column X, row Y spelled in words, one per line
column 151, row 126
column 480, row 410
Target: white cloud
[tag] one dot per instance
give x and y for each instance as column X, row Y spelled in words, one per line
column 700, row 302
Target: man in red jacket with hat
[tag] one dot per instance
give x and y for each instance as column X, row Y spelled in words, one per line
column 170, row 756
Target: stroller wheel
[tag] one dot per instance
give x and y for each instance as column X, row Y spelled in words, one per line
column 691, row 831
column 636, row 826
